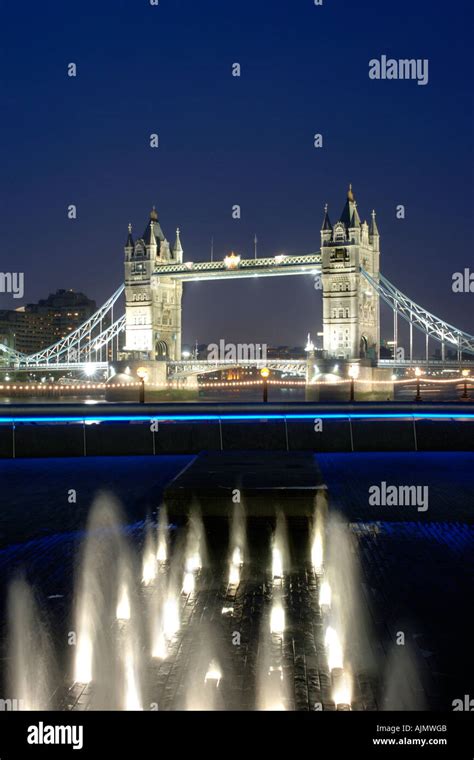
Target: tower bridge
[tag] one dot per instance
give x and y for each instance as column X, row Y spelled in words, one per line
column 346, row 270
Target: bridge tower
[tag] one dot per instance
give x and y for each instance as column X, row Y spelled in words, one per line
column 351, row 308
column 152, row 304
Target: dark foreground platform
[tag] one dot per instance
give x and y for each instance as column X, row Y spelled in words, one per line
column 265, row 480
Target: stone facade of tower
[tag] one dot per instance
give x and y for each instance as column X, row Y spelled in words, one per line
column 152, row 303
column 351, row 308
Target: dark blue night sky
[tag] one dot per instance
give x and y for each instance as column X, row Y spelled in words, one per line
column 227, row 140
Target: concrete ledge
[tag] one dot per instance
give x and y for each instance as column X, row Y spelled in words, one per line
column 335, row 435
column 50, row 430
column 55, row 440
column 118, row 438
column 384, row 435
column 187, row 437
column 6, row 441
column 260, row 435
column 438, row 435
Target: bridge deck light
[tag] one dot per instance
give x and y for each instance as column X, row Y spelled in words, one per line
column 418, row 374
column 142, row 373
column 265, row 372
column 232, row 261
column 354, row 370
column 353, row 374
column 90, row 370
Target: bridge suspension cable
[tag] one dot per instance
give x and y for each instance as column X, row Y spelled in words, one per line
column 15, row 356
column 78, row 346
column 423, row 320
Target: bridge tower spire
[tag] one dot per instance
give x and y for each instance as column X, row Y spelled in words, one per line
column 351, row 310
column 178, row 248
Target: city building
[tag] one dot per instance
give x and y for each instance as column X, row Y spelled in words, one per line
column 36, row 326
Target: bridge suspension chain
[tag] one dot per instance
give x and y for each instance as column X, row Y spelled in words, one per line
column 70, row 347
column 423, row 320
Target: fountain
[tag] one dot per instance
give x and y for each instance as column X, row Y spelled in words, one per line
column 403, row 687
column 280, row 551
column 205, row 678
column 272, row 688
column 162, row 542
column 237, row 544
column 129, row 609
column 346, row 638
column 29, row 679
column 104, row 599
column 318, row 531
column 131, row 669
column 277, row 615
column 149, row 562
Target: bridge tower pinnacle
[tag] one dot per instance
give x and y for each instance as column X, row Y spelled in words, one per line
column 351, row 310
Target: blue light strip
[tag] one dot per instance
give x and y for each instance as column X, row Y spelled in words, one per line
column 246, row 417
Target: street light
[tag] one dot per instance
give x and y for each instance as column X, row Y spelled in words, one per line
column 353, row 374
column 265, row 372
column 418, row 392
column 465, row 374
column 142, row 373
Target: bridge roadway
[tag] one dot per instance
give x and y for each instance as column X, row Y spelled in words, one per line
column 228, row 268
column 187, row 367
column 196, row 367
